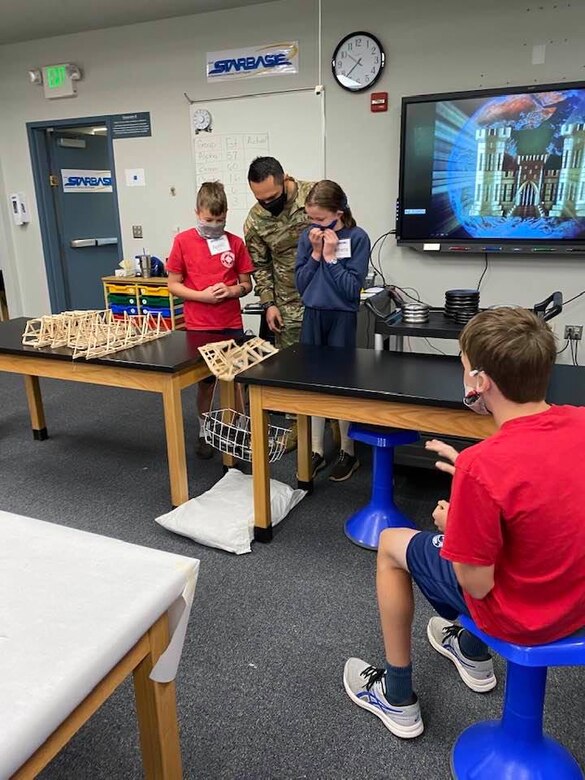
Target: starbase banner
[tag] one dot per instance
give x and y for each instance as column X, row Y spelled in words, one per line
column 272, row 59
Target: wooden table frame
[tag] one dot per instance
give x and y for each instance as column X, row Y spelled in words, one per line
column 168, row 384
column 155, row 709
column 438, row 420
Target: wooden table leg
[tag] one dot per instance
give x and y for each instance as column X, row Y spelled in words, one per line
column 227, row 394
column 304, row 477
column 35, row 407
column 175, row 434
column 260, row 467
column 157, row 712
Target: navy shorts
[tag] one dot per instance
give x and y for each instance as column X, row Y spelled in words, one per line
column 227, row 333
column 434, row 575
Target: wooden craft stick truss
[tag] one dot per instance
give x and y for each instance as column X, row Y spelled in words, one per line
column 225, row 359
column 93, row 333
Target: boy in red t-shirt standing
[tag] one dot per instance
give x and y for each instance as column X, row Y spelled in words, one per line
column 513, row 551
column 210, row 269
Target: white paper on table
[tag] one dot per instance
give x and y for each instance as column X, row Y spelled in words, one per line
column 167, row 665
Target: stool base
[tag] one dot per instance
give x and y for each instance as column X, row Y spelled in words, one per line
column 364, row 528
column 486, row 752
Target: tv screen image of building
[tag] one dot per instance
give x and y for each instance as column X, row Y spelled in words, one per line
column 497, row 167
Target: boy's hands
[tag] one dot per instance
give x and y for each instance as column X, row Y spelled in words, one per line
column 220, row 291
column 443, row 451
column 330, row 242
column 440, row 515
column 215, row 293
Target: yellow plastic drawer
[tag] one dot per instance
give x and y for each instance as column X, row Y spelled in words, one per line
column 162, row 291
column 121, row 289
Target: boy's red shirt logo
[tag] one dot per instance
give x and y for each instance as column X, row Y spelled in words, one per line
column 228, row 259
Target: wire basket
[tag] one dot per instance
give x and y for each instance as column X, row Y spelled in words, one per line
column 229, row 431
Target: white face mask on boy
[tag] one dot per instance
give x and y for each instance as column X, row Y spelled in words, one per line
column 473, row 399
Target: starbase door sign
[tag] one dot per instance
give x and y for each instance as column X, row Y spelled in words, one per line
column 273, row 59
column 86, row 181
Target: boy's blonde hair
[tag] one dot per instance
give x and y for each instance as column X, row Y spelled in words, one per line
column 515, row 348
column 211, row 196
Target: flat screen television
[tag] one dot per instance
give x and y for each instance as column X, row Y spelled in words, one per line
column 500, row 170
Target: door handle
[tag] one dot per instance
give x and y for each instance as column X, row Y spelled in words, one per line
column 79, row 243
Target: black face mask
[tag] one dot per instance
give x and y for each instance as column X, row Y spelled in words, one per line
column 276, row 205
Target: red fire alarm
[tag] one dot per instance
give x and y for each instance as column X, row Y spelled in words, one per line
column 378, row 102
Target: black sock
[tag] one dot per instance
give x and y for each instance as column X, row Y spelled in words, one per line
column 399, row 685
column 472, row 647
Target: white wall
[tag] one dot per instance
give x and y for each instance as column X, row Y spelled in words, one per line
column 431, row 47
column 436, row 47
column 145, row 67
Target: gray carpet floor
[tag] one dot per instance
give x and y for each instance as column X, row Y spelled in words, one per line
column 259, row 687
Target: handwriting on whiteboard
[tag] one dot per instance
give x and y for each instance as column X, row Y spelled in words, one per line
column 226, row 157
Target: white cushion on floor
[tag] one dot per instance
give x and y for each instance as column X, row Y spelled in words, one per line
column 223, row 517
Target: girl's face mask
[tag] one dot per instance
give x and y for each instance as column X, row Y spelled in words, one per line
column 473, row 399
column 330, row 226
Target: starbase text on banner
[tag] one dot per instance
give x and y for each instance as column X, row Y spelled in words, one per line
column 272, row 59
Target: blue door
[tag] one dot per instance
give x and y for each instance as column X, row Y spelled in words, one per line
column 86, row 212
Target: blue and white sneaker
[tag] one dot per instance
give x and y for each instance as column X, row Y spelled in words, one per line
column 444, row 637
column 365, row 685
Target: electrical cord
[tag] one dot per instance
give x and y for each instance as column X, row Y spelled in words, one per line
column 564, row 349
column 484, row 271
column 378, row 268
column 574, row 298
column 574, row 351
column 432, row 346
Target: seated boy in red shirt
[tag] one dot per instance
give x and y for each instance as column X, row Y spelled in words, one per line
column 210, row 269
column 513, row 551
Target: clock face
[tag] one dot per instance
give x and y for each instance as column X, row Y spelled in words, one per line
column 358, row 61
column 201, row 119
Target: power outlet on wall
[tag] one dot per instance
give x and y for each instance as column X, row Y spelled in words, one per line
column 574, row 332
column 137, row 231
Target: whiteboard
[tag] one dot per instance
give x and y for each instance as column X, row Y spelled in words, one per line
column 285, row 125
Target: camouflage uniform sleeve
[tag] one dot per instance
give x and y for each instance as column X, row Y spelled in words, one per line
column 262, row 259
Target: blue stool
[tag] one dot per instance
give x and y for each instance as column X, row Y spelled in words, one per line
column 364, row 528
column 515, row 747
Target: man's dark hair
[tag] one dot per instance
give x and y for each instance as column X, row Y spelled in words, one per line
column 263, row 167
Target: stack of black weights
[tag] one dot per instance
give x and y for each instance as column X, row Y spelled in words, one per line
column 461, row 305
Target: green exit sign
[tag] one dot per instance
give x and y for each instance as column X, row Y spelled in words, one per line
column 57, row 81
column 56, row 76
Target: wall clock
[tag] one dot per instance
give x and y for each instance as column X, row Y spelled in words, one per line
column 358, row 61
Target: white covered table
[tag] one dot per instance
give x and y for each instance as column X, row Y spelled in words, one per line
column 78, row 614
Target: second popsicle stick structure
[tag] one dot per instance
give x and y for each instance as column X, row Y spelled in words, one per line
column 93, row 333
column 229, row 430
column 225, row 359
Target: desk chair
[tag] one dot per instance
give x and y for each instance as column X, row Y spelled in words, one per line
column 364, row 528
column 515, row 747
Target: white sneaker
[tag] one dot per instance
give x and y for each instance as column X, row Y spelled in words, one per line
column 365, row 685
column 444, row 637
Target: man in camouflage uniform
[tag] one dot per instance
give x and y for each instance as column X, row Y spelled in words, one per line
column 272, row 231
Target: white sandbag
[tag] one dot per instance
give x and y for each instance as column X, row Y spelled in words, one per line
column 223, row 517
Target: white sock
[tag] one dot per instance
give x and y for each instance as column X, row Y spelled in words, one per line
column 346, row 442
column 317, row 434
